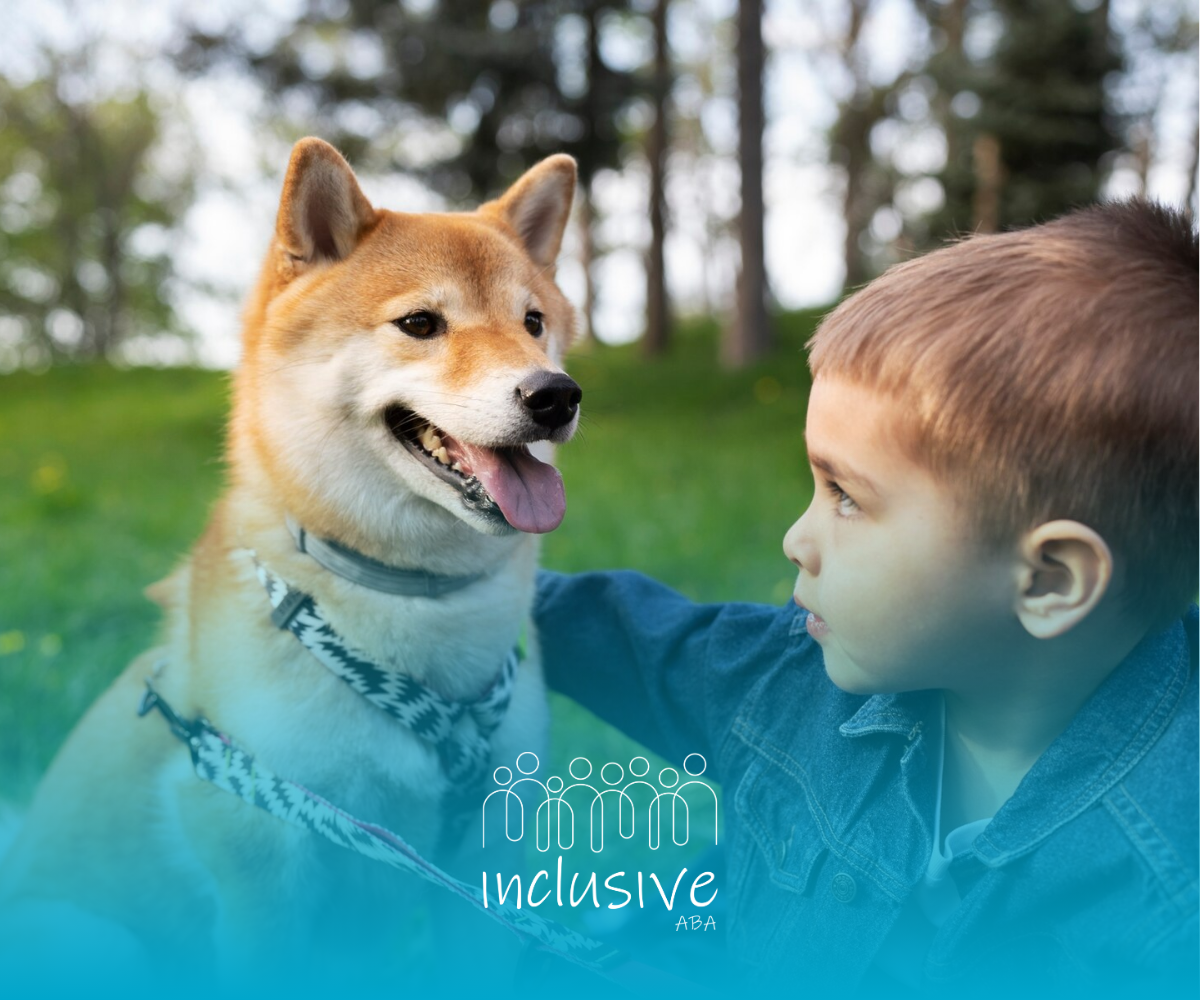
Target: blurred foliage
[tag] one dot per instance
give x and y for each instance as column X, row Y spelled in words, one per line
column 463, row 95
column 980, row 114
column 1042, row 116
column 678, row 470
column 868, row 181
column 505, row 83
column 1029, row 101
column 86, row 220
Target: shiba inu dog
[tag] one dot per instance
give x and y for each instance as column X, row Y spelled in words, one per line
column 400, row 390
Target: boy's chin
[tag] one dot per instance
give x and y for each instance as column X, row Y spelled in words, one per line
column 848, row 676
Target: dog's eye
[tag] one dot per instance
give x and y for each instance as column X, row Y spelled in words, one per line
column 418, row 324
column 535, row 322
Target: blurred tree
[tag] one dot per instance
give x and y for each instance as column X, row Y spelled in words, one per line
column 495, row 87
column 869, row 182
column 1007, row 112
column 1029, row 130
column 749, row 337
column 948, row 22
column 85, row 221
column 1190, row 198
column 705, row 74
column 1155, row 36
column 658, row 314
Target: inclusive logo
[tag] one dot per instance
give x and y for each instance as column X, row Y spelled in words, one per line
column 627, row 789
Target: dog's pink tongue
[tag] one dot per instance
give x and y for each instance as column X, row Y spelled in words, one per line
column 529, row 492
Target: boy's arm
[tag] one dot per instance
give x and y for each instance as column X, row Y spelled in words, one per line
column 667, row 672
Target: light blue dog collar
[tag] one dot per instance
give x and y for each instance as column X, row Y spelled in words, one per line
column 367, row 572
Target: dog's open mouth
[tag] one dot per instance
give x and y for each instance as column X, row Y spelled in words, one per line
column 528, row 493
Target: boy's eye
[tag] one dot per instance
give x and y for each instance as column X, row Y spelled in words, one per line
column 845, row 505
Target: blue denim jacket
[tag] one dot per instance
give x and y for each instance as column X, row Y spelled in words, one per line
column 1085, row 878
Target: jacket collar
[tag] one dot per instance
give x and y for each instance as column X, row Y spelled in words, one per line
column 906, row 715
column 1113, row 731
column 1108, row 736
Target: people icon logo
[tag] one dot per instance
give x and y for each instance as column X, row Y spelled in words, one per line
column 552, row 800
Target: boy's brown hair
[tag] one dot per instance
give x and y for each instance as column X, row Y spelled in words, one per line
column 1050, row 373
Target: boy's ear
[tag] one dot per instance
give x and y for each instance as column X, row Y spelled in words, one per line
column 538, row 206
column 323, row 213
column 1065, row 571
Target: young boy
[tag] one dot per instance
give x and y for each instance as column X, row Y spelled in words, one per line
column 967, row 762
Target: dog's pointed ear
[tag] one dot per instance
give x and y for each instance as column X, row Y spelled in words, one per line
column 322, row 212
column 538, row 206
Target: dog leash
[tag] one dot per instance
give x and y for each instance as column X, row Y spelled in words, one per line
column 216, row 758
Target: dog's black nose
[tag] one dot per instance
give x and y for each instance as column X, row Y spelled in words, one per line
column 550, row 397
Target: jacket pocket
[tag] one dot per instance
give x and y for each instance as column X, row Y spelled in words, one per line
column 773, row 806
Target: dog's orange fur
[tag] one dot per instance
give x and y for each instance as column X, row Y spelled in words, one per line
column 121, row 828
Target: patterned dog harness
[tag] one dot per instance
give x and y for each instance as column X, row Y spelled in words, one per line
column 459, row 731
column 464, row 748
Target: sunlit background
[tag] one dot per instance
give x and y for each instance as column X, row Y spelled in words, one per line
column 770, row 156
column 142, row 144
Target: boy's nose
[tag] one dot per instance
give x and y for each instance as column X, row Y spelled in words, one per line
column 798, row 545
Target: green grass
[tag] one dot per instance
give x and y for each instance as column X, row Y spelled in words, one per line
column 681, row 470
column 105, row 479
column 688, row 472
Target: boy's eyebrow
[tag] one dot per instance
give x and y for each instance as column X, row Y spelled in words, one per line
column 840, row 473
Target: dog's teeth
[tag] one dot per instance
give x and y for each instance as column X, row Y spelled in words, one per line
column 430, row 439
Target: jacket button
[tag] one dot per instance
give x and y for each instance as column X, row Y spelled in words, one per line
column 844, row 888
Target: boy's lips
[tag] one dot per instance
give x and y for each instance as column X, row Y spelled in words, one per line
column 815, row 626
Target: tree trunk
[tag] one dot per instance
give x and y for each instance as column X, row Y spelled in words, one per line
column 953, row 20
column 71, row 294
column 657, row 305
column 989, row 183
column 111, row 327
column 855, row 210
column 1143, row 157
column 749, row 337
column 1190, row 200
column 854, row 132
column 587, row 215
column 587, row 255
